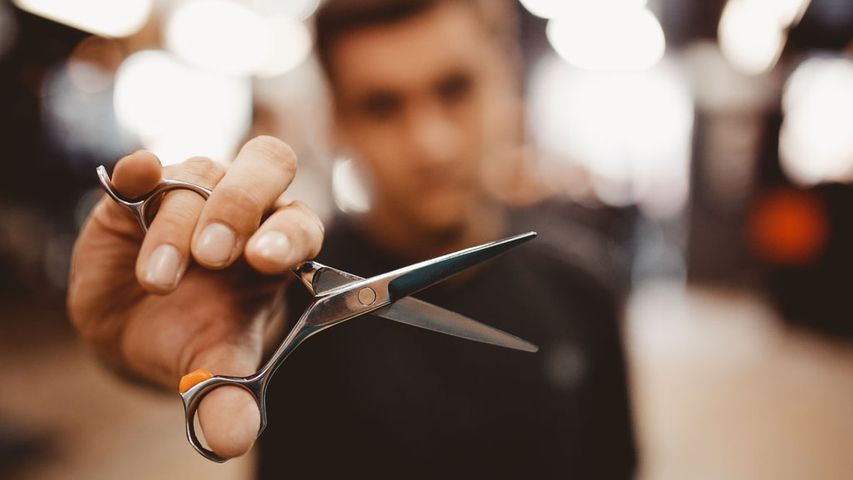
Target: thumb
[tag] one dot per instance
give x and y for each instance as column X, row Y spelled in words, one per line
column 133, row 176
column 137, row 173
column 229, row 415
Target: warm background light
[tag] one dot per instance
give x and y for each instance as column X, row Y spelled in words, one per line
column 218, row 35
column 562, row 8
column 816, row 140
column 178, row 111
column 227, row 36
column 348, row 187
column 787, row 227
column 752, row 33
column 110, row 18
column 631, row 130
column 290, row 44
column 601, row 37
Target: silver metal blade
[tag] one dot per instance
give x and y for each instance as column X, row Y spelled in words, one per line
column 330, row 283
column 414, row 278
column 417, row 313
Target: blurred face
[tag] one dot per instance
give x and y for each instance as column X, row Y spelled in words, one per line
column 410, row 105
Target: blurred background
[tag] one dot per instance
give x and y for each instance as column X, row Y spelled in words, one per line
column 713, row 137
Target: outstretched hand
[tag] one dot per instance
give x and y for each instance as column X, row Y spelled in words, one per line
column 201, row 288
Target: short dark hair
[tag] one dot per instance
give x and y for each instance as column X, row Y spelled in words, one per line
column 335, row 18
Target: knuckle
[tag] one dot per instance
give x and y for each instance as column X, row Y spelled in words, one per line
column 241, row 199
column 310, row 214
column 88, row 332
column 202, row 168
column 178, row 211
column 87, row 328
column 302, row 209
column 309, row 235
column 198, row 165
column 172, row 221
column 299, row 205
column 299, row 232
column 275, row 151
column 304, row 229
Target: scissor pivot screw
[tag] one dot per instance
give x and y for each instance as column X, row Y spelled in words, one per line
column 366, row 296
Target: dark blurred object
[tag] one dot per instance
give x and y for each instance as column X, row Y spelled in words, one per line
column 19, row 447
column 35, row 252
column 817, row 293
column 826, row 25
column 40, row 44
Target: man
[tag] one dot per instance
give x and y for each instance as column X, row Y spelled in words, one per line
column 413, row 84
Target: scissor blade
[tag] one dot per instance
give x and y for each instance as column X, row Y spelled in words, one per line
column 417, row 313
column 424, row 274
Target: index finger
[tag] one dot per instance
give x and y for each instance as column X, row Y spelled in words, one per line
column 262, row 170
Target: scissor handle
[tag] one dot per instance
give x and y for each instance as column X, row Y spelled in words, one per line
column 255, row 384
column 139, row 206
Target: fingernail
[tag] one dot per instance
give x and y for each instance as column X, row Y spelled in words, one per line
column 215, row 244
column 162, row 267
column 273, row 246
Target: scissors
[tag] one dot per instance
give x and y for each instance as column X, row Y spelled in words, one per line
column 338, row 296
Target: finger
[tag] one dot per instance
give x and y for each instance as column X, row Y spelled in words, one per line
column 111, row 234
column 137, row 174
column 262, row 170
column 165, row 252
column 133, row 175
column 292, row 234
column 229, row 415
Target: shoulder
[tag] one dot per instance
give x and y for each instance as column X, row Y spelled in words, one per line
column 581, row 245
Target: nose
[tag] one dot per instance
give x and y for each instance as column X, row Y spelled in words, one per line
column 434, row 136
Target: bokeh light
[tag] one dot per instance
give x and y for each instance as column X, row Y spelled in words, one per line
column 178, row 111
column 77, row 104
column 816, row 139
column 93, row 62
column 290, row 45
column 751, row 40
column 787, row 227
column 603, row 37
column 297, row 9
column 631, row 130
column 229, row 37
column 561, row 8
column 108, row 18
column 752, row 33
column 348, row 188
column 218, row 35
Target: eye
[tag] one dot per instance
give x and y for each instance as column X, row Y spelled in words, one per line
column 381, row 106
column 455, row 87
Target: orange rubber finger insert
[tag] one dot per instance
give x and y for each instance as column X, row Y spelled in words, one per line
column 193, row 378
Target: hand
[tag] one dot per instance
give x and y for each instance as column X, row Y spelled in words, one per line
column 152, row 311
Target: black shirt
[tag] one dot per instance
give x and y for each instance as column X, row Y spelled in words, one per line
column 376, row 398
